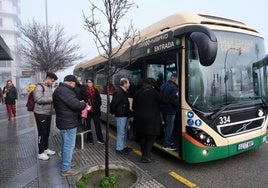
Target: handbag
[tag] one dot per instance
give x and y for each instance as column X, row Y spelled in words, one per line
column 84, row 112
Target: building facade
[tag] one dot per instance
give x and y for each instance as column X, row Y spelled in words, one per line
column 9, row 20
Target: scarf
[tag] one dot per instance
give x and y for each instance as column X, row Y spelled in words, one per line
column 90, row 94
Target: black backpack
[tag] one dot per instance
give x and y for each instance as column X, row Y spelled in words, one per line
column 30, row 102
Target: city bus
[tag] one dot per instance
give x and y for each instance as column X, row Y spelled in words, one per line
column 222, row 74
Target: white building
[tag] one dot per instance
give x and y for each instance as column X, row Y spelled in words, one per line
column 9, row 20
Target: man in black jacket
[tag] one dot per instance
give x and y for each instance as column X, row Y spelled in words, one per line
column 67, row 107
column 120, row 108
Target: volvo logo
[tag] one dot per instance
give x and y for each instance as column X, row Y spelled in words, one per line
column 244, row 127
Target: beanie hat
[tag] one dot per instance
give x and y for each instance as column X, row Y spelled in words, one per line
column 70, row 78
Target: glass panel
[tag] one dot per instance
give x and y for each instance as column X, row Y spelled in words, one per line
column 230, row 78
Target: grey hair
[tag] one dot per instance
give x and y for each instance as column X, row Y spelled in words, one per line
column 123, row 81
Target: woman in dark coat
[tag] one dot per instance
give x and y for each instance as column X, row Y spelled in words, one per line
column 94, row 100
column 10, row 96
column 147, row 121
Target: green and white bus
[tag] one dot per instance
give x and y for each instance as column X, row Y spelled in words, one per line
column 222, row 81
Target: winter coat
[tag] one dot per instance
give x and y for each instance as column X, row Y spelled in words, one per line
column 10, row 95
column 170, row 89
column 120, row 104
column 67, row 107
column 43, row 99
column 95, row 107
column 146, row 110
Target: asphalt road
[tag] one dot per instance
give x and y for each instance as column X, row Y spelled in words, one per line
column 247, row 170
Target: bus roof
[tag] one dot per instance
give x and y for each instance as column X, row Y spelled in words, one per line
column 170, row 23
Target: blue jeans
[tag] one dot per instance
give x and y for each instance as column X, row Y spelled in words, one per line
column 169, row 120
column 121, row 132
column 67, row 146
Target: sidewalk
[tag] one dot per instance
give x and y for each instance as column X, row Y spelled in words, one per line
column 19, row 166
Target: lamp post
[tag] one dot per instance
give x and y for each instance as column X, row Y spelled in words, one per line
column 46, row 13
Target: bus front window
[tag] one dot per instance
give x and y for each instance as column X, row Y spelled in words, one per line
column 230, row 79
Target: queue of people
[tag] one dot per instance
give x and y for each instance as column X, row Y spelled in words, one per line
column 71, row 97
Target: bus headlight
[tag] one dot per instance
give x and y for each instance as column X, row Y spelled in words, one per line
column 200, row 136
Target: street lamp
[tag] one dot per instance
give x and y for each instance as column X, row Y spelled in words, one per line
column 225, row 69
column 46, row 13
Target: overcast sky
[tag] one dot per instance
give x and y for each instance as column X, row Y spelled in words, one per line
column 68, row 13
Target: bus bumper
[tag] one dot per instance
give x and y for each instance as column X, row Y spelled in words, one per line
column 196, row 154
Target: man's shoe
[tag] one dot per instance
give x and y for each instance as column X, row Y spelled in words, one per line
column 100, row 141
column 49, row 152
column 122, row 152
column 127, row 149
column 43, row 156
column 147, row 160
column 169, row 148
column 70, row 172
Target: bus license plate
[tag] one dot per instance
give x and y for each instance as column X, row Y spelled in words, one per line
column 245, row 145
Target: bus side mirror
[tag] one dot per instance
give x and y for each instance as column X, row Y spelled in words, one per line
column 207, row 48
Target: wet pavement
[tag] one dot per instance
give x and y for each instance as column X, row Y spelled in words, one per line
column 19, row 166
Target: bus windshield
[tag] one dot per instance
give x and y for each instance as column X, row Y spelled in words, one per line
column 231, row 79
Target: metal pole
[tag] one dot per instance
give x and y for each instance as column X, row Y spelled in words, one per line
column 46, row 13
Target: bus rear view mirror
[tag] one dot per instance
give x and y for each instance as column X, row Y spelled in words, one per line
column 207, row 48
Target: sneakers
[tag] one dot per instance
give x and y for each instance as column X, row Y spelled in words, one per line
column 49, row 152
column 43, row 156
column 100, row 141
column 169, row 148
column 70, row 172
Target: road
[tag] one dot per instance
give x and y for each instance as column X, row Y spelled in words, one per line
column 246, row 170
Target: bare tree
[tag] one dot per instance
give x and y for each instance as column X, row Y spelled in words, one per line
column 46, row 49
column 103, row 24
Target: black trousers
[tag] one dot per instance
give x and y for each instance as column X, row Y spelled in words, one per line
column 96, row 120
column 43, row 123
column 146, row 143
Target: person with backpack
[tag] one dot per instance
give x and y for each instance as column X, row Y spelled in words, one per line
column 43, row 109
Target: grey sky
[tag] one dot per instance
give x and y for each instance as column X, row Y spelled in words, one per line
column 69, row 14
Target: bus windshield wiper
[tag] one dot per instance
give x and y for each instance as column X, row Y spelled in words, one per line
column 262, row 100
column 220, row 110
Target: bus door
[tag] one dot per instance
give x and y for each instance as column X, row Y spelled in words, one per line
column 161, row 70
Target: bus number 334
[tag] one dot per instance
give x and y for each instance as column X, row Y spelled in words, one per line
column 224, row 120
